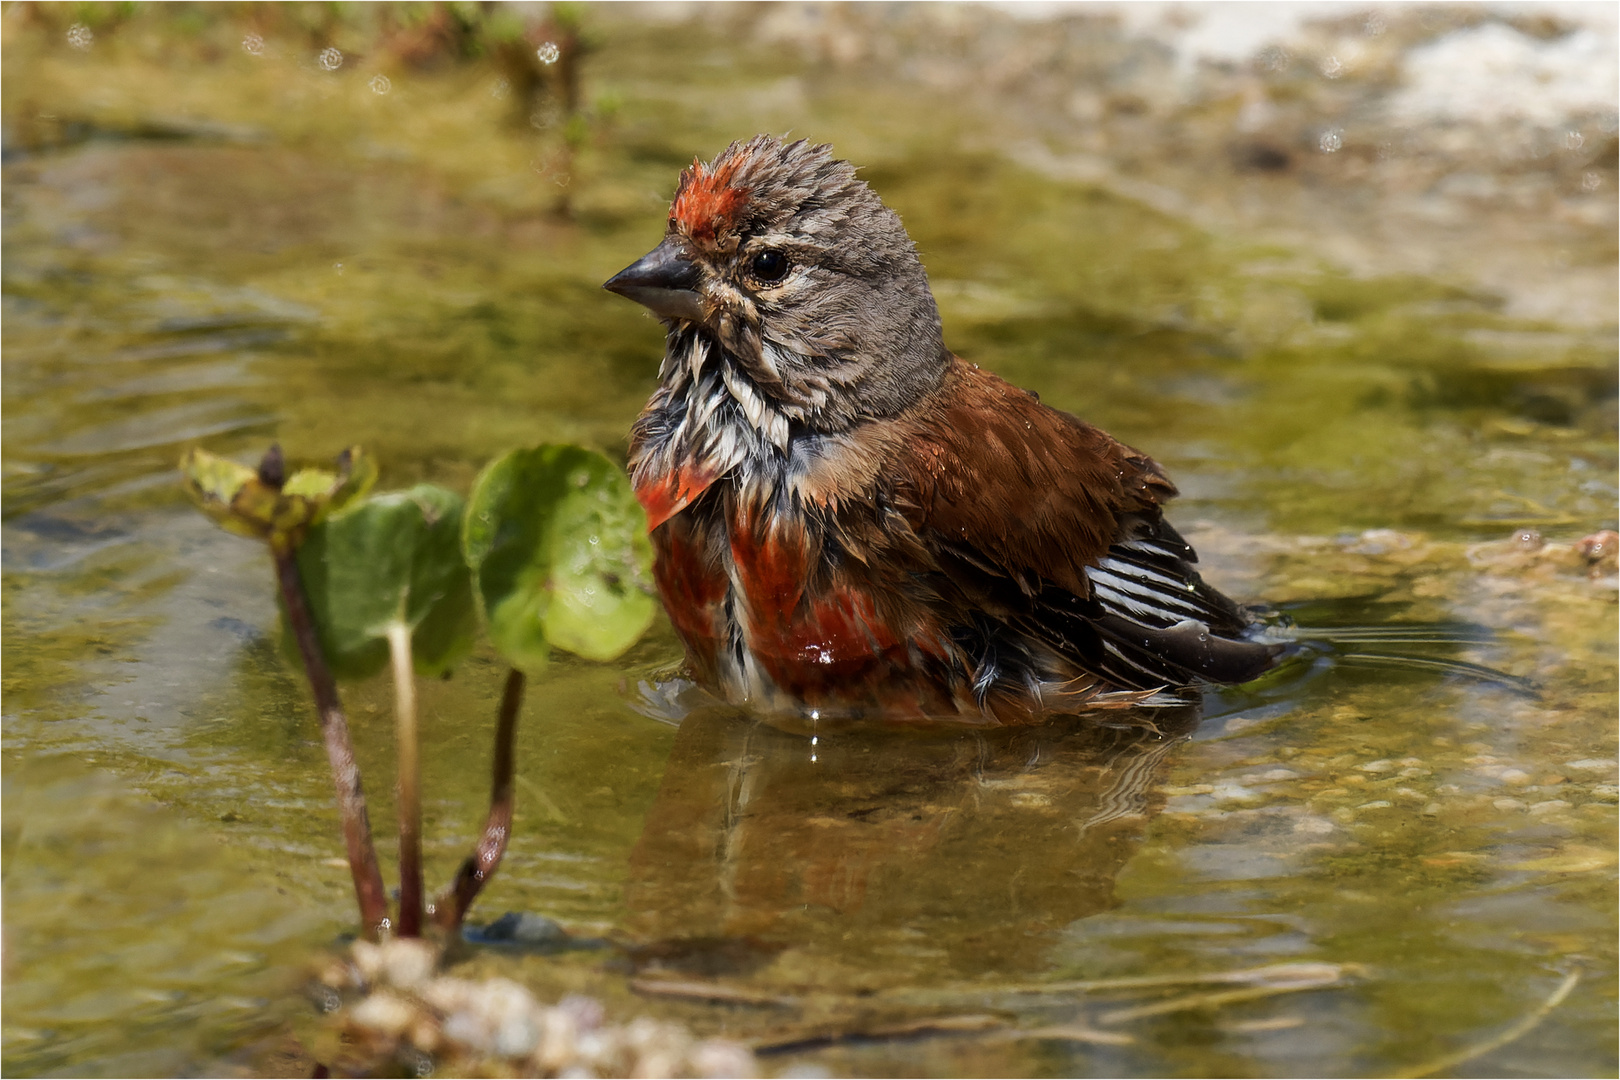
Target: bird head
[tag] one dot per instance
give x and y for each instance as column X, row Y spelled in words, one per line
column 808, row 284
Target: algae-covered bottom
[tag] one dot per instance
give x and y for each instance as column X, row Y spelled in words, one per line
column 1415, row 863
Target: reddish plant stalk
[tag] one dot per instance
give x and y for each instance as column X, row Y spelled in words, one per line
column 368, row 882
column 486, row 857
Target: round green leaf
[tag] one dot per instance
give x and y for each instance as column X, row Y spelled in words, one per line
column 559, row 551
column 391, row 559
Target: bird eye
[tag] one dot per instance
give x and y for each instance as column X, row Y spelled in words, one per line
column 769, row 266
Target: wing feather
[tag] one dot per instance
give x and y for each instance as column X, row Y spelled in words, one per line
column 1048, row 540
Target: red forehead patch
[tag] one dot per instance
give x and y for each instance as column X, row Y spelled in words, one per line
column 707, row 202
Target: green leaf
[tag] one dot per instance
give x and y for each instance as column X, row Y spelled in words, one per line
column 214, row 484
column 392, row 558
column 357, row 471
column 310, row 483
column 560, row 556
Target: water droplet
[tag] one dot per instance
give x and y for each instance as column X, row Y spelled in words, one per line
column 380, row 85
column 80, row 37
column 548, row 53
column 1332, row 68
column 1591, row 181
column 1574, row 140
column 330, row 59
column 1331, row 141
column 253, row 45
column 595, row 540
column 338, row 267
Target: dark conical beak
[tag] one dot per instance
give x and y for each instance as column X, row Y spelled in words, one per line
column 664, row 281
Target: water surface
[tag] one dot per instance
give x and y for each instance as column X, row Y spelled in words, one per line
column 324, row 265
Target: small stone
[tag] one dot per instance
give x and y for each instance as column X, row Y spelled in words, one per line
column 720, row 1057
column 1591, row 764
column 408, row 962
column 368, row 960
column 449, row 995
column 1382, row 765
column 586, row 1012
column 1605, row 792
column 466, row 1029
column 558, row 1041
column 1507, row 804
column 1313, row 825
column 524, row 928
column 1432, row 810
column 424, row 1033
column 1376, row 804
column 517, row 1035
column 339, row 975
column 1515, row 777
column 1548, row 806
column 382, row 1014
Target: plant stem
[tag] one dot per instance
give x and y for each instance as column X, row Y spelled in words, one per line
column 410, row 787
column 368, row 883
column 481, row 864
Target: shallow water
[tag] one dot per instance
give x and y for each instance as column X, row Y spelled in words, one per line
column 325, row 265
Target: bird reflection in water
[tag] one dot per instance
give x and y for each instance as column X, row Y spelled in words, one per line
column 961, row 850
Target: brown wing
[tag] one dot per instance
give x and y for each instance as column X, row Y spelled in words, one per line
column 1046, row 540
column 1037, row 493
